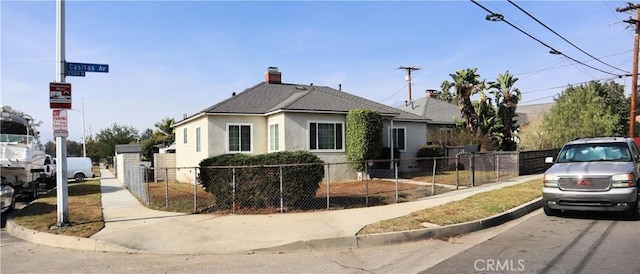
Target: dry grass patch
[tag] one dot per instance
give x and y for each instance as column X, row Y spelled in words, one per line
column 464, row 177
column 180, row 197
column 476, row 207
column 85, row 211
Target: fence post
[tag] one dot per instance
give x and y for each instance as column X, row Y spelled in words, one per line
column 166, row 189
column 433, row 181
column 146, row 186
column 328, row 183
column 281, row 196
column 498, row 167
column 395, row 168
column 195, row 190
column 457, row 171
column 472, row 170
column 233, row 205
column 366, row 183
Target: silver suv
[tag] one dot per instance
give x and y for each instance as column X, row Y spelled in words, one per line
column 593, row 174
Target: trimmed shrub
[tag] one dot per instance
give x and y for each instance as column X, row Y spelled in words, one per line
column 363, row 136
column 254, row 181
column 431, row 151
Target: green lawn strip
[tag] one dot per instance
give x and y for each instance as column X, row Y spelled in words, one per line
column 476, row 207
column 85, row 211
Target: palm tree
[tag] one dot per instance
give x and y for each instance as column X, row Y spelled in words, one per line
column 467, row 83
column 507, row 98
column 165, row 127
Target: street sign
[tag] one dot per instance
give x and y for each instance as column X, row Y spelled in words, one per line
column 60, row 95
column 87, row 67
column 60, row 124
column 75, row 73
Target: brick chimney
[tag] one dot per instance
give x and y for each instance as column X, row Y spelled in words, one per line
column 430, row 93
column 273, row 76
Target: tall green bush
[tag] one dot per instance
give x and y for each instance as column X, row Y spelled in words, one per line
column 363, row 136
column 254, row 181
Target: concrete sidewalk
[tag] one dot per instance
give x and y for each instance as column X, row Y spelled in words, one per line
column 130, row 224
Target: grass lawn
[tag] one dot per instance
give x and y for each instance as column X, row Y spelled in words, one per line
column 476, row 207
column 85, row 211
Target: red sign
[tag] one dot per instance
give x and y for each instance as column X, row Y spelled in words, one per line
column 60, row 95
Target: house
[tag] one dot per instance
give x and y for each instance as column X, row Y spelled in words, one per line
column 441, row 115
column 275, row 116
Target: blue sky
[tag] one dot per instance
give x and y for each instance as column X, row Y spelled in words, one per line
column 169, row 58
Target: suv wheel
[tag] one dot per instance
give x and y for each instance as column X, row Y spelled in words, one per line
column 550, row 212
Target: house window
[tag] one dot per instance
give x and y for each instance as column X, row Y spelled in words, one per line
column 400, row 138
column 239, row 137
column 274, row 139
column 325, row 136
column 184, row 135
column 198, row 148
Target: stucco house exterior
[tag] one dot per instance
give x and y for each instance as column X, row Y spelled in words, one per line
column 440, row 114
column 275, row 116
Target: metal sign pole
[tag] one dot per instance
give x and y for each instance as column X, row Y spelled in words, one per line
column 61, row 141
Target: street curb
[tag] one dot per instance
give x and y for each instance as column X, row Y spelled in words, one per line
column 447, row 231
column 356, row 241
column 63, row 241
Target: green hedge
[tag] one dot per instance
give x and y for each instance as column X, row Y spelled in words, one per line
column 363, row 136
column 257, row 181
column 426, row 151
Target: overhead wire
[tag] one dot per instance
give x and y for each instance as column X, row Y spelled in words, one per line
column 553, row 50
column 565, row 39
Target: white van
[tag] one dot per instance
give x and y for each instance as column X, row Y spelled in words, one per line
column 79, row 168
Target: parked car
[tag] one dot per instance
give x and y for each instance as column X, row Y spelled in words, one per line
column 7, row 196
column 79, row 168
column 593, row 174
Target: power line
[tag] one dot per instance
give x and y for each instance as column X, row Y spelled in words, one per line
column 569, row 85
column 554, row 32
column 498, row 17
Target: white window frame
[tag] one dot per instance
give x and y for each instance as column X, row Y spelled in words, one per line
column 395, row 145
column 185, row 139
column 198, row 140
column 274, row 140
column 342, row 127
column 228, row 144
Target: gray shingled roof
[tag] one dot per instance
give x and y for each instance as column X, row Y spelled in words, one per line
column 265, row 98
column 438, row 111
column 529, row 113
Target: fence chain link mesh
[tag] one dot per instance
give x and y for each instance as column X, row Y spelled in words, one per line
column 310, row 187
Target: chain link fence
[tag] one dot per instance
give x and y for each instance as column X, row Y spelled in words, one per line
column 309, row 187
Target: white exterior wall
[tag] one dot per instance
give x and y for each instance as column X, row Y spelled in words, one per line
column 280, row 120
column 415, row 134
column 186, row 155
column 297, row 134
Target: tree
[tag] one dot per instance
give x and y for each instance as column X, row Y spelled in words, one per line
column 107, row 139
column 467, row 83
column 507, row 98
column 533, row 137
column 613, row 95
column 165, row 127
column 579, row 112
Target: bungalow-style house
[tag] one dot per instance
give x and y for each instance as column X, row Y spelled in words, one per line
column 440, row 114
column 275, row 116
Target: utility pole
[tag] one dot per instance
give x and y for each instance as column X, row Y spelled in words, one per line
column 634, row 82
column 408, row 78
